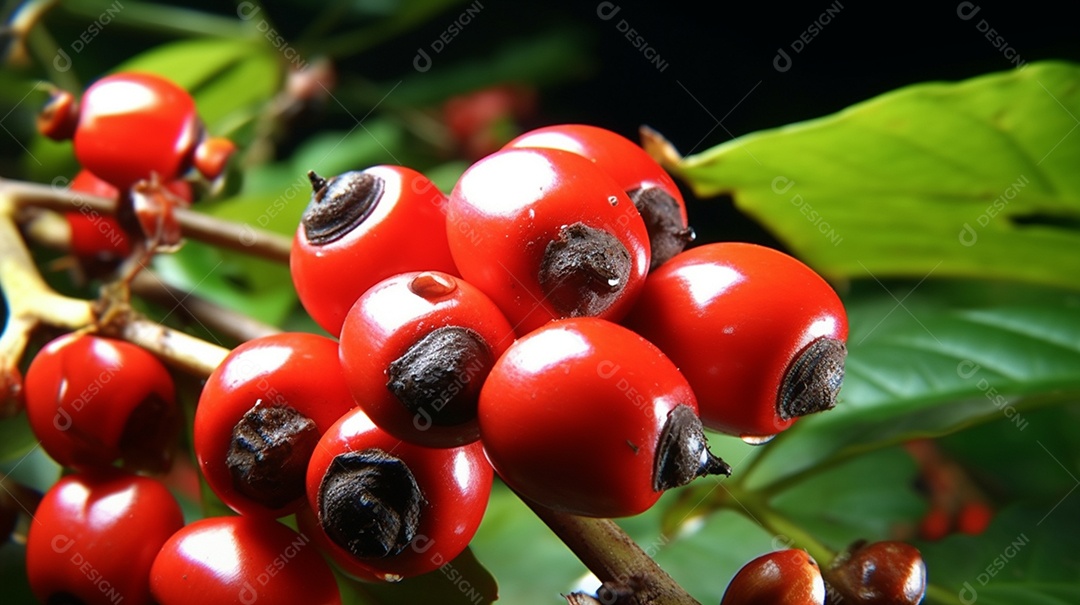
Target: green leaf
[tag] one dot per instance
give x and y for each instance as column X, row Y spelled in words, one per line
column 530, row 563
column 1027, row 556
column 929, row 368
column 463, row 581
column 257, row 287
column 226, row 77
column 973, row 179
column 16, row 438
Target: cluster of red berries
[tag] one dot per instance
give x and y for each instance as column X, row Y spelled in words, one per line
column 543, row 321
column 145, row 179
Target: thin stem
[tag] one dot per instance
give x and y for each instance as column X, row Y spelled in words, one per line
column 32, row 302
column 213, row 316
column 217, row 232
column 614, row 557
column 755, row 505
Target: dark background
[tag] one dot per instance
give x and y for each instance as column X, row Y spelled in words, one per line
column 719, row 81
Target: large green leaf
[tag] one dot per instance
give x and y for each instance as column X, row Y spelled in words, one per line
column 224, row 76
column 927, row 367
column 976, row 179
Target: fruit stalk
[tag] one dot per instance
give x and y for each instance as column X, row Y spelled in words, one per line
column 614, row 558
column 222, row 234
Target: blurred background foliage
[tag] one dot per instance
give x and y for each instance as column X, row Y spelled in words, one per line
column 434, row 84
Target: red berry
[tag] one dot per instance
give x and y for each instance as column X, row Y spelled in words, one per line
column 784, row 577
column 94, row 537
column 93, row 400
column 133, row 126
column 758, row 334
column 261, row 414
column 935, row 525
column 547, row 235
column 416, row 348
column 241, row 560
column 974, row 518
column 384, row 509
column 879, row 573
column 584, row 416
column 98, row 236
column 359, row 229
column 654, row 193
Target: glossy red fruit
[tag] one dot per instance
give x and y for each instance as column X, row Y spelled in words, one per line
column 135, row 125
column 416, row 349
column 92, row 401
column 584, row 416
column 260, row 415
column 241, row 560
column 878, row 573
column 758, row 334
column 650, row 187
column 94, row 537
column 784, row 577
column 384, row 509
column 547, row 235
column 359, row 229
column 99, row 236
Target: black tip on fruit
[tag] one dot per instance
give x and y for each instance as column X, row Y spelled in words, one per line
column 813, row 379
column 583, row 271
column 370, row 503
column 682, row 453
column 269, row 453
column 439, row 376
column 317, row 182
column 668, row 234
column 338, row 205
column 149, row 435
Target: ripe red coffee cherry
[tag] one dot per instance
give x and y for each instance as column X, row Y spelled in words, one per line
column 261, row 414
column 97, row 236
column 134, row 125
column 546, row 234
column 242, row 560
column 653, row 191
column 416, row 348
column 784, row 577
column 94, row 537
column 758, row 334
column 878, row 573
column 384, row 509
column 93, row 400
column 359, row 229
column 584, row 416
